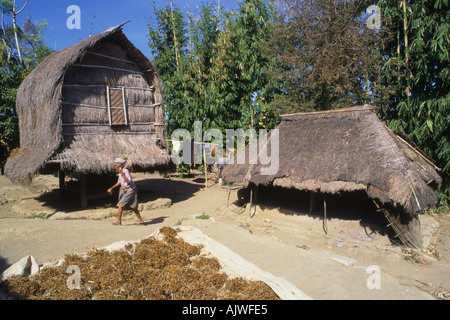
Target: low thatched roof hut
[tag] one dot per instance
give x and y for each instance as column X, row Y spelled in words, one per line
column 88, row 104
column 350, row 150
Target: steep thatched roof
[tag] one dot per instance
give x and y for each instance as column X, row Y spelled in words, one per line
column 44, row 139
column 346, row 150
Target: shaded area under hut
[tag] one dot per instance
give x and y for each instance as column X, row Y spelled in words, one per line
column 86, row 105
column 346, row 150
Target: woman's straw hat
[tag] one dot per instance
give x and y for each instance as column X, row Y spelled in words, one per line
column 120, row 161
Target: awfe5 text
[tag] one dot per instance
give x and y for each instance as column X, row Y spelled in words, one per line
column 232, row 310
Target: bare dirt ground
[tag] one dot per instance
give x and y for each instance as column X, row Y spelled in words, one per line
column 355, row 260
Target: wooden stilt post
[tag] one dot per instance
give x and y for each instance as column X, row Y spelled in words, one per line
column 83, row 190
column 206, row 166
column 251, row 201
column 62, row 184
column 255, row 200
column 325, row 228
column 62, row 180
column 312, row 202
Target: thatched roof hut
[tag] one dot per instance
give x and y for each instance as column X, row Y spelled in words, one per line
column 349, row 150
column 88, row 104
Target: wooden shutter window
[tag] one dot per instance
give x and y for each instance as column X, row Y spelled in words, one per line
column 117, row 108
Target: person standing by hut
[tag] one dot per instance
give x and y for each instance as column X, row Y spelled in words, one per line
column 128, row 192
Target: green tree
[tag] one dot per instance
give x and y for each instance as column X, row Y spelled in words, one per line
column 416, row 75
column 32, row 43
column 21, row 50
column 241, row 86
column 10, row 80
column 168, row 41
column 326, row 55
column 204, row 32
column 213, row 66
column 9, row 7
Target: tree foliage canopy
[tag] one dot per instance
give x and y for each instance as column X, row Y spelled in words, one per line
column 326, row 56
column 21, row 49
column 416, row 76
column 212, row 65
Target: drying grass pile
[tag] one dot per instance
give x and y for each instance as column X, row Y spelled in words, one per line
column 151, row 269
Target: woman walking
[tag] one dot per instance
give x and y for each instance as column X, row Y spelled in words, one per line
column 128, row 192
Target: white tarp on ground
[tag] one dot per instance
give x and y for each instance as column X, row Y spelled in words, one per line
column 234, row 265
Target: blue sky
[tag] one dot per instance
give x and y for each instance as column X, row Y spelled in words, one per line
column 107, row 14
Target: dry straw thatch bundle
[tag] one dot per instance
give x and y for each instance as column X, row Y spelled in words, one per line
column 88, row 104
column 349, row 150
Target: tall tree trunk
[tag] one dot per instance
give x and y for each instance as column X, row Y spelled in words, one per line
column 14, row 14
column 405, row 30
column 7, row 48
column 15, row 34
column 174, row 34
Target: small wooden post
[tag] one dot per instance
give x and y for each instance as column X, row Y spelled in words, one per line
column 312, row 202
column 251, row 201
column 83, row 190
column 325, row 228
column 206, row 166
column 62, row 180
